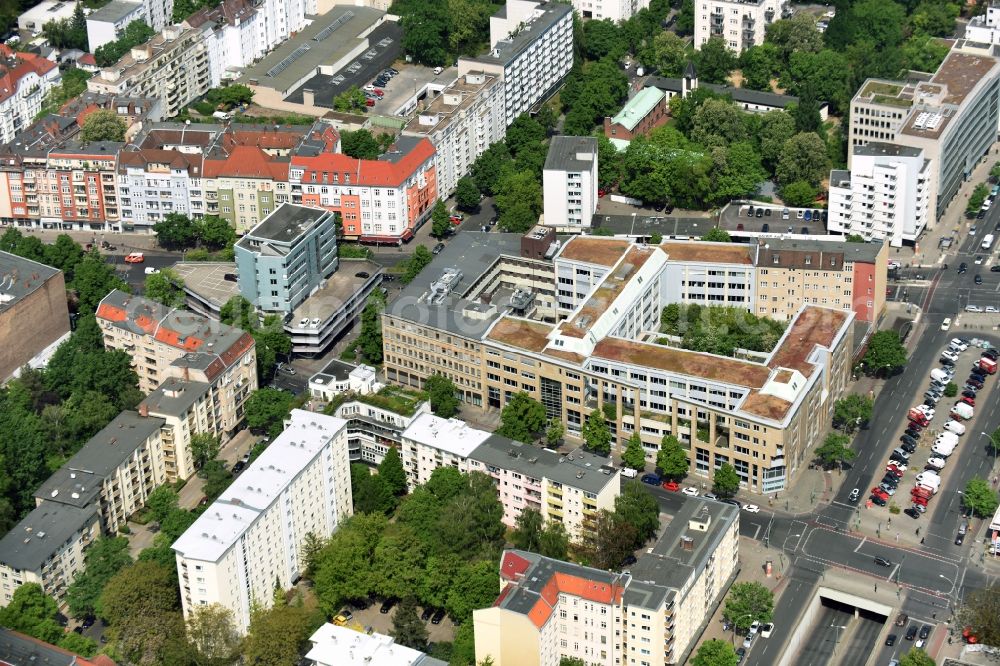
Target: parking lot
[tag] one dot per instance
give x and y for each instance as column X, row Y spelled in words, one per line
column 734, row 218
column 382, row 622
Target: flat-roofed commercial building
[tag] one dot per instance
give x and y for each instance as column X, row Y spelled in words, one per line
column 34, row 317
column 950, row 118
column 165, row 342
column 549, row 609
column 531, row 50
column 599, row 347
column 250, row 540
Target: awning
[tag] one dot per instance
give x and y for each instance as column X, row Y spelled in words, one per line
column 385, row 240
column 407, row 235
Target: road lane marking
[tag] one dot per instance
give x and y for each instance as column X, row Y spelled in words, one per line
column 861, row 544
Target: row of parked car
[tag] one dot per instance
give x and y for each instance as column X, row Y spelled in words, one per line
column 373, row 91
column 912, row 633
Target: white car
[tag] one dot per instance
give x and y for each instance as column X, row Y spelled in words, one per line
column 751, row 508
column 303, row 322
column 928, row 411
column 152, row 271
column 978, row 261
column 766, row 630
column 961, row 345
column 950, row 355
column 955, row 427
column 894, row 265
column 990, row 308
column 946, row 324
column 754, row 628
column 927, row 475
column 936, row 463
column 314, row 323
column 973, row 308
column 690, row 491
column 898, row 464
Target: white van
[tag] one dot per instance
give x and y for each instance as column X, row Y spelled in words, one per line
column 949, row 437
column 955, row 427
column 940, row 375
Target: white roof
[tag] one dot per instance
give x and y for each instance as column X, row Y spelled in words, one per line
column 258, row 487
column 340, row 646
column 448, row 435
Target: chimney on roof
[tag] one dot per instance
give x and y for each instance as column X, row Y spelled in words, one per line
column 143, row 410
column 687, row 543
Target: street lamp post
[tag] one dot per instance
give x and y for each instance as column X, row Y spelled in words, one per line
column 836, row 640
column 993, row 446
column 951, row 593
column 735, row 621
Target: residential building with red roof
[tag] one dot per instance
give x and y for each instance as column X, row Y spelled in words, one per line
column 25, row 80
column 380, row 201
column 165, row 342
column 548, row 609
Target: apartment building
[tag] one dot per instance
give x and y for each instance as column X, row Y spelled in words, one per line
column 549, row 609
column 531, row 50
column 34, row 318
column 153, row 183
column 114, row 472
column 461, row 122
column 34, row 19
column 249, row 540
column 25, row 81
column 235, row 34
column 241, row 184
column 740, row 23
column 611, row 10
column 344, row 646
column 759, row 415
column 374, row 428
column 47, row 548
column 187, row 410
column 570, row 489
column 283, row 260
column 793, row 272
column 172, row 67
column 109, row 22
column 383, row 200
column 569, row 180
column 884, row 196
column 166, row 342
column 950, row 118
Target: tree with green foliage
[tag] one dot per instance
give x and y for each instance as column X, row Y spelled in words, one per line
column 572, row 661
column 176, row 231
column 139, row 590
column 994, row 440
column 667, row 53
column 266, row 410
column 161, row 502
column 32, row 612
column 717, row 235
column 442, row 393
column 803, row 158
column 715, row 652
column 352, row 100
column 369, row 342
column 886, row 353
column 638, row 508
column 671, row 459
column 634, row 455
column 916, row 657
column 105, row 557
column 213, row 635
column 522, row 418
column 979, row 498
column 227, row 97
column 799, row 193
column 440, row 220
column 166, row 287
column 596, row 434
column 715, row 61
column 554, row 541
column 74, row 82
column 725, row 482
column 554, row 432
column 748, row 602
column 603, row 38
column 135, row 33
column 518, row 200
column 407, row 627
column 980, row 610
column 214, row 232
column 776, row 128
column 278, row 635
column 760, row 65
column 371, row 493
column 976, row 199
column 610, row 541
column 592, row 91
column 94, row 279
column 411, row 268
column 853, row 411
column 489, row 167
column 527, row 531
column 835, row 450
column 103, row 125
column 364, row 145
column 391, row 470
column 204, row 447
column 466, row 194
column 720, row 330
column 854, row 238
column 217, row 478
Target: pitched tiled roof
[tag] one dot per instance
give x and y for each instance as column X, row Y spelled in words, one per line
column 391, row 170
column 247, row 162
column 15, row 66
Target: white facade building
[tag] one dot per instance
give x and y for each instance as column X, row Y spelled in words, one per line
column 462, row 122
column 741, row 23
column 884, row 195
column 35, row 18
column 250, row 539
column 531, row 48
column 569, row 180
column 985, row 28
column 25, row 81
column 612, row 10
column 109, row 22
column 343, row 646
column 431, row 442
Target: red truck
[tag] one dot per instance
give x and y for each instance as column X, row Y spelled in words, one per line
column 988, row 365
column 919, row 417
column 921, row 494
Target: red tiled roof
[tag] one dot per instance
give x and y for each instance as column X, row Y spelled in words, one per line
column 266, row 139
column 246, row 162
column 174, row 158
column 513, row 566
column 25, row 63
column 111, row 313
column 563, row 583
column 370, row 172
column 87, row 59
column 174, row 339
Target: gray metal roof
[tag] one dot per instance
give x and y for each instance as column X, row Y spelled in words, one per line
column 335, row 370
column 174, row 396
column 670, row 564
column 578, row 469
column 78, row 482
column 114, row 11
column 472, row 253
column 21, row 650
column 564, row 153
column 863, row 252
column 737, row 94
column 23, row 548
column 20, row 277
column 285, row 225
